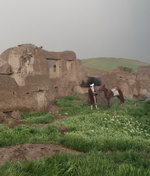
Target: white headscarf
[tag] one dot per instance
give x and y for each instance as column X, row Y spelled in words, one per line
column 92, row 87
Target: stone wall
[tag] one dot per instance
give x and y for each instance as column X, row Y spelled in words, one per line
column 31, row 77
column 135, row 85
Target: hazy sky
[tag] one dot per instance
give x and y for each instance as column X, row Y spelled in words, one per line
column 90, row 28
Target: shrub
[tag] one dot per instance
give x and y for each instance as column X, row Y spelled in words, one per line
column 127, row 69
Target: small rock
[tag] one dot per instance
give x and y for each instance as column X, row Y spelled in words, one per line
column 16, row 114
column 62, row 129
column 2, row 117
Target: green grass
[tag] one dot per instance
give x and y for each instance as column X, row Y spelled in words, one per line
column 93, row 163
column 115, row 141
column 108, row 64
column 101, row 130
column 37, row 117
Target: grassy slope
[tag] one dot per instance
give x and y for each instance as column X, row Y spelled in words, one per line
column 116, row 141
column 108, row 64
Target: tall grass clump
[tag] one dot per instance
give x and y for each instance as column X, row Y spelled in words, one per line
column 27, row 134
column 37, row 117
column 93, row 163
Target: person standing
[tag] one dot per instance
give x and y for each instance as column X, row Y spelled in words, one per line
column 92, row 96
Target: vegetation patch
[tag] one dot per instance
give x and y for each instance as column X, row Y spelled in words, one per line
column 109, row 64
column 115, row 140
column 37, row 117
column 93, row 163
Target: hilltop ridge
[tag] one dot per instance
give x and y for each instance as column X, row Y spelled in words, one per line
column 107, row 64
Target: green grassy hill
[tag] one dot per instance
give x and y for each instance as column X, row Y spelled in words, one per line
column 108, row 64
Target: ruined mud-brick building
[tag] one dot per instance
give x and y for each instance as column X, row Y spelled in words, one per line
column 134, row 85
column 31, row 77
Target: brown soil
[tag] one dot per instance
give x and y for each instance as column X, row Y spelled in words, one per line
column 31, row 152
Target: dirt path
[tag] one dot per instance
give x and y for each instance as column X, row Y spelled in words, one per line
column 29, row 152
column 15, row 122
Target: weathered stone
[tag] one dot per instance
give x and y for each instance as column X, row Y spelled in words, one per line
column 31, row 78
column 2, row 117
column 133, row 85
column 6, row 69
column 144, row 68
column 16, row 114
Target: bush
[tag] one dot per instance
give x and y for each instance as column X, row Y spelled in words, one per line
column 127, row 69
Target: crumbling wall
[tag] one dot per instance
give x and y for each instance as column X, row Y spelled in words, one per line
column 135, row 85
column 31, row 77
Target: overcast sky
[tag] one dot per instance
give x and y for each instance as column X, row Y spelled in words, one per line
column 90, row 28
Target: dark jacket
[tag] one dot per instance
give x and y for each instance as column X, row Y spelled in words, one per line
column 92, row 96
